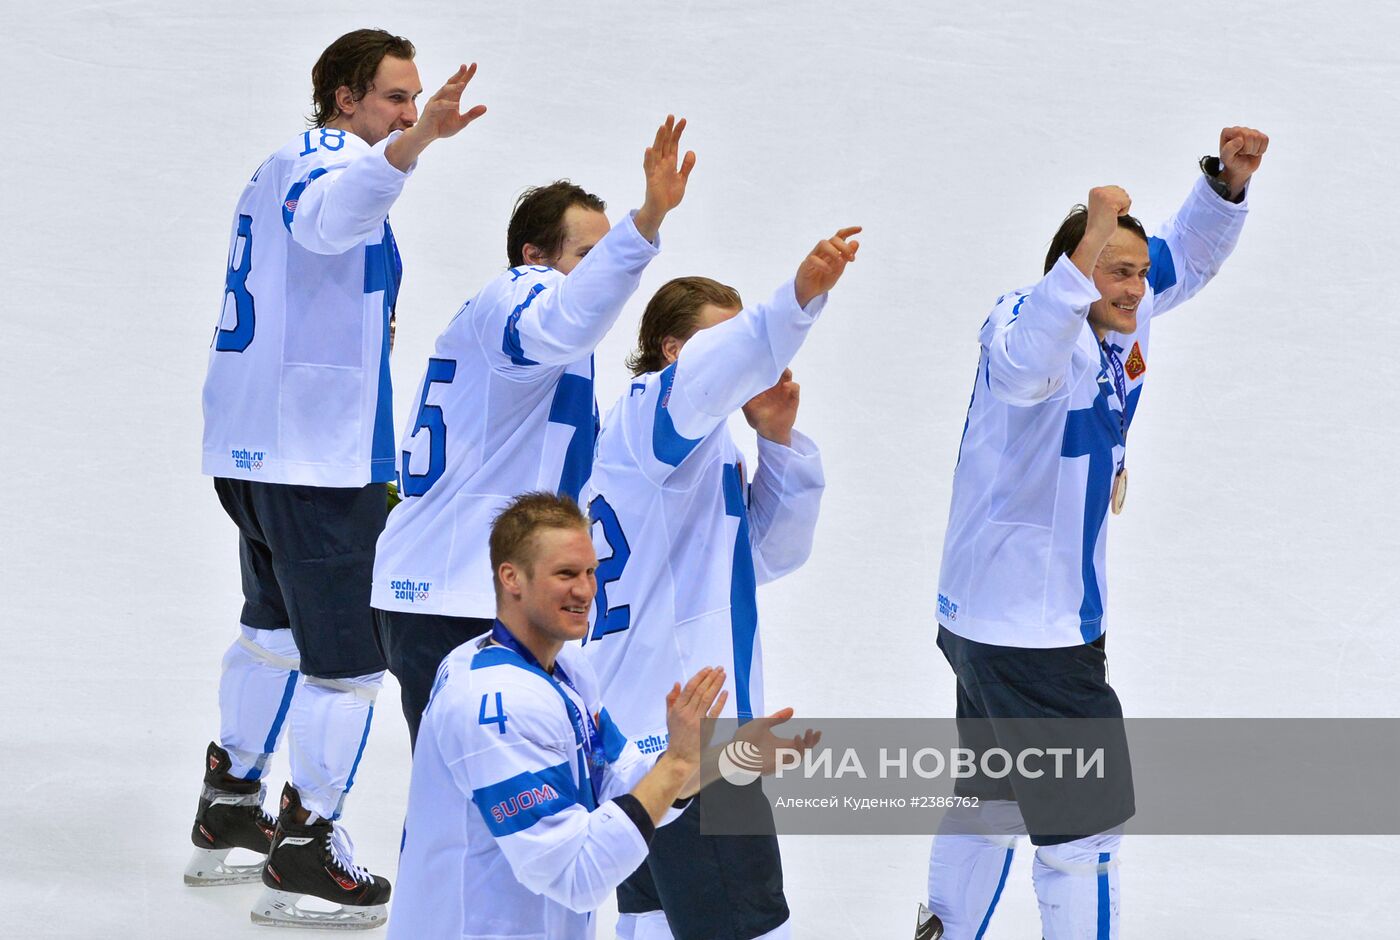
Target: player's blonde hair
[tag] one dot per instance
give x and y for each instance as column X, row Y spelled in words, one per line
column 513, row 530
column 675, row 311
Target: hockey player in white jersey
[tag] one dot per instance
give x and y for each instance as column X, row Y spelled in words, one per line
column 1022, row 590
column 684, row 541
column 506, row 406
column 298, row 436
column 527, row 805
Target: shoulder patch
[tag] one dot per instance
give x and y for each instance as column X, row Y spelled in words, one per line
column 1135, row 366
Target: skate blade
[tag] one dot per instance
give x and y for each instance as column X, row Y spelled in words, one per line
column 210, row 867
column 279, row 909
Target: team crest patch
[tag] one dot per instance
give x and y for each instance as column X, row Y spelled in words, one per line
column 1136, row 365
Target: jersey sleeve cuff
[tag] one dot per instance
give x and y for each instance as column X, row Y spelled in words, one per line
column 801, row 448
column 1205, row 199
column 388, row 168
column 632, row 806
column 1065, row 295
column 629, row 224
column 815, row 306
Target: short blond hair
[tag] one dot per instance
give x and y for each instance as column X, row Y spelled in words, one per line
column 513, row 530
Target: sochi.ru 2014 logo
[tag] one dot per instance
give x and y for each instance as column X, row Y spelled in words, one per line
column 415, row 592
column 245, row 459
column 741, row 763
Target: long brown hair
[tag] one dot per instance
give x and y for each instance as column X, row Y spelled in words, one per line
column 351, row 61
column 675, row 311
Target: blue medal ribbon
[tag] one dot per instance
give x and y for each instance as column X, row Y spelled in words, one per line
column 586, row 733
column 1120, row 386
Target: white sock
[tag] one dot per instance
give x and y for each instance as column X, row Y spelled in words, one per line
column 652, row 926
column 1077, row 886
column 649, row 926
column 256, row 689
column 330, row 721
column 968, row 863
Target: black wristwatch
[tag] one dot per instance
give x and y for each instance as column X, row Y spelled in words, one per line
column 1214, row 170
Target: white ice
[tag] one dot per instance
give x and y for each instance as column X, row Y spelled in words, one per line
column 1253, row 574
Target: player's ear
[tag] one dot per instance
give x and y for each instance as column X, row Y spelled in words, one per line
column 671, row 348
column 534, row 256
column 345, row 101
column 509, row 576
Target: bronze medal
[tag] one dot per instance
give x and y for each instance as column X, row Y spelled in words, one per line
column 1120, row 490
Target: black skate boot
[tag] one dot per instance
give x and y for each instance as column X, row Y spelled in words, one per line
column 230, row 816
column 927, row 926
column 314, row 858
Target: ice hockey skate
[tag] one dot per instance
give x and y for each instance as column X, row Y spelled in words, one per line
column 312, row 868
column 927, row 926
column 230, row 816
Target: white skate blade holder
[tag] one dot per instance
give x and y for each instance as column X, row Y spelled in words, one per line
column 209, row 867
column 285, row 909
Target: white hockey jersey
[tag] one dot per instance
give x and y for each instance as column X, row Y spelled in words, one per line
column 298, row 384
column 682, row 541
column 505, row 407
column 1023, row 557
column 511, row 830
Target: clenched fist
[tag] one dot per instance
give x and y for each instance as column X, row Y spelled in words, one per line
column 1241, row 152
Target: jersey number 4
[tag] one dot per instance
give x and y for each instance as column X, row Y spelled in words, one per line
column 609, row 619
column 240, row 263
column 497, row 719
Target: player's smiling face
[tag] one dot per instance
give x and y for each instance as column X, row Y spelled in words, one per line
column 389, row 105
column 557, row 588
column 1121, row 279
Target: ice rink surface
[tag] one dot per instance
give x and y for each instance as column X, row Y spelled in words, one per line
column 1254, row 572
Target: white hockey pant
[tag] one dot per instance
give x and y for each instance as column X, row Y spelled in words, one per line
column 652, row 926
column 262, row 691
column 968, row 864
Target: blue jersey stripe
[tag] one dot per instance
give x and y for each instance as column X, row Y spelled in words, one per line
column 383, row 273
column 743, row 594
column 289, row 204
column 510, row 344
column 573, row 406
column 613, row 738
column 1162, row 275
column 516, row 804
column 666, row 442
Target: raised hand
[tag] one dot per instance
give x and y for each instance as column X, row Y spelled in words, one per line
column 440, row 117
column 666, row 181
column 759, row 733
column 688, row 711
column 1241, row 152
column 772, row 413
column 1106, row 204
column 822, row 268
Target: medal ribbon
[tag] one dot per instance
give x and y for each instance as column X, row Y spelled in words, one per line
column 586, row 732
column 1120, row 385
